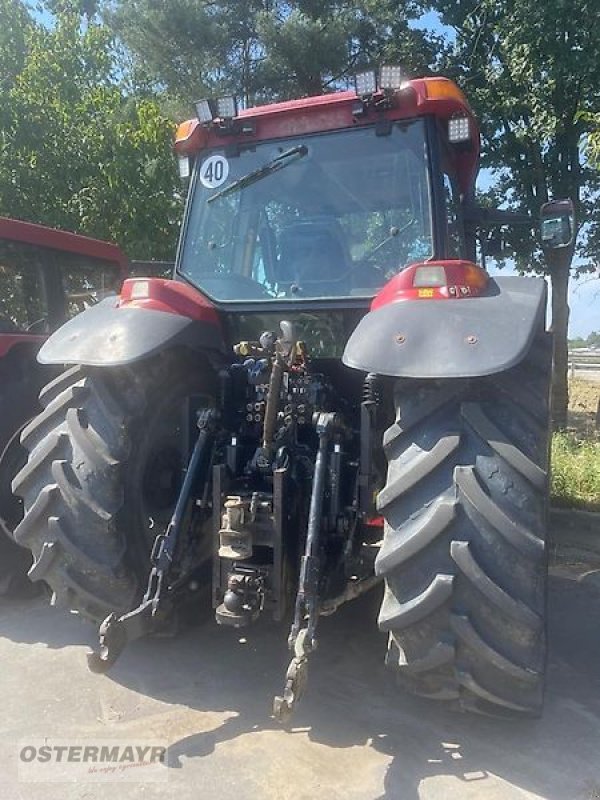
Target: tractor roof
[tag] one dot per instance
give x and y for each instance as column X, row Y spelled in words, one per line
column 419, row 97
column 28, row 232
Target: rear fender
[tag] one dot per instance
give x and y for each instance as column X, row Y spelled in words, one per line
column 156, row 315
column 451, row 338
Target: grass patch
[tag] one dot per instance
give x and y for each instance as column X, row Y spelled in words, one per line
column 575, row 471
column 583, row 402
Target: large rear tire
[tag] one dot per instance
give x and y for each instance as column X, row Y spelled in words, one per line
column 19, row 386
column 464, row 555
column 105, row 464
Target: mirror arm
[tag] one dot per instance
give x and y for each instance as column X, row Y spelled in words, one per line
column 480, row 217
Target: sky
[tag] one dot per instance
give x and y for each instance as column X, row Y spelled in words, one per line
column 584, row 301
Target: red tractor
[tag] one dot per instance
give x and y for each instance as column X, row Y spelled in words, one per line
column 46, row 276
column 329, row 394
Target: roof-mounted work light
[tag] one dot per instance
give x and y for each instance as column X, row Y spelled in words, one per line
column 204, row 111
column 366, row 83
column 226, row 107
column 392, row 77
column 459, row 129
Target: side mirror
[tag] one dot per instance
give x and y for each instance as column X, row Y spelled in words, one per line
column 557, row 232
column 557, row 225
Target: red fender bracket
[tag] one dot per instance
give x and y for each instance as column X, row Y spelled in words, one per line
column 174, row 297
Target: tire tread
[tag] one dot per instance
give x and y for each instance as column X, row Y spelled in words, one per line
column 464, row 554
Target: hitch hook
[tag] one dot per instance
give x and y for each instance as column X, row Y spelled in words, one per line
column 296, row 679
column 116, row 632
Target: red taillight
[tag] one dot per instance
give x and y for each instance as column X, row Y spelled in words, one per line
column 434, row 280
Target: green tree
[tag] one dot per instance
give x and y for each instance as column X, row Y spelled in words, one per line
column 531, row 71
column 265, row 49
column 15, row 23
column 77, row 151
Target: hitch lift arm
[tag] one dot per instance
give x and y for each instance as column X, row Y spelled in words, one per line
column 117, row 631
column 302, row 635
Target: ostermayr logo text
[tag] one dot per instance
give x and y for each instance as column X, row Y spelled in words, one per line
column 92, row 760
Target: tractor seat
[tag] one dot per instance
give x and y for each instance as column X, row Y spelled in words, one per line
column 312, row 257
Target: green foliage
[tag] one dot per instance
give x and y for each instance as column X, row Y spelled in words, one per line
column 575, row 471
column 303, row 53
column 593, row 142
column 21, row 295
column 76, row 151
column 592, row 340
column 576, row 343
column 15, row 24
column 265, row 49
column 531, row 72
column 316, row 46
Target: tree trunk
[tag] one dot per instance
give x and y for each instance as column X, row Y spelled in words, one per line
column 559, row 277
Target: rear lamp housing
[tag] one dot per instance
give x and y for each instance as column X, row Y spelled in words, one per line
column 434, row 280
column 164, row 295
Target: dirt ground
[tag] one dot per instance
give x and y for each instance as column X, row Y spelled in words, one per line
column 356, row 736
column 583, row 403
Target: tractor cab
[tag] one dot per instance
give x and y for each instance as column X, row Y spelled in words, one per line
column 340, row 215
column 321, row 203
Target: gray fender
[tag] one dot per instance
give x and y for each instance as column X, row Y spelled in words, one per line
column 107, row 335
column 460, row 338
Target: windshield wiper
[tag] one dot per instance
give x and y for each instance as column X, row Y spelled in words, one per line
column 281, row 161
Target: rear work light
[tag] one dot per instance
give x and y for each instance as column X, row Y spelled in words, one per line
column 392, row 77
column 365, row 83
column 204, row 111
column 223, row 108
column 227, row 107
column 434, row 280
column 459, row 129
